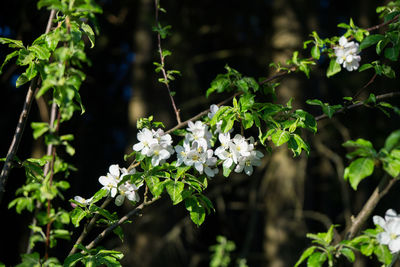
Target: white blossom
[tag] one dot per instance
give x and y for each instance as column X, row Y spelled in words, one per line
column 110, row 184
column 391, row 234
column 247, row 163
column 82, row 200
column 129, row 191
column 155, row 144
column 113, row 177
column 347, row 54
column 181, row 152
column 197, row 132
column 146, row 139
column 159, row 154
column 239, row 147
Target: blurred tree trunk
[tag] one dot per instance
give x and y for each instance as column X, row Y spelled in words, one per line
column 283, row 180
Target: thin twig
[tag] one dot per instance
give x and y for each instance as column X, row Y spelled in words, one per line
column 342, row 110
column 385, row 184
column 162, row 57
column 365, row 86
column 21, row 124
column 53, row 159
column 383, row 24
column 88, row 227
column 109, row 229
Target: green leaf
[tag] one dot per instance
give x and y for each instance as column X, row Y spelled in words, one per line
column 317, row 259
column 297, row 144
column 28, row 75
column 246, row 101
column 155, row 186
column 227, row 171
column 391, row 163
column 8, row 58
column 196, row 210
column 358, row 170
column 392, row 141
column 348, row 253
column 77, row 215
column 360, row 142
column 227, row 123
column 307, row 121
column 315, row 52
column 371, row 40
column 248, row 121
column 99, row 195
column 383, row 254
column 279, row 137
column 305, row 255
column 73, row 259
column 30, row 260
column 41, row 52
column 89, row 32
column 174, row 190
column 333, row 68
column 25, row 57
column 52, row 4
column 208, row 203
column 11, row 43
column 365, row 67
column 39, row 128
column 329, row 235
column 392, row 53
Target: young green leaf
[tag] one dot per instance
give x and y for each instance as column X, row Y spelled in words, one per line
column 358, row 170
column 174, row 190
column 333, row 68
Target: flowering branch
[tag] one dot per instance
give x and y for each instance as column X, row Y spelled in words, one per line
column 21, row 124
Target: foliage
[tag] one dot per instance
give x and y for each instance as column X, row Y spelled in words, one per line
column 56, row 59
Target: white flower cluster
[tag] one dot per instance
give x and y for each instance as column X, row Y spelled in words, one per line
column 110, row 183
column 154, row 144
column 347, row 54
column 127, row 189
column 239, row 151
column 391, row 226
column 196, row 150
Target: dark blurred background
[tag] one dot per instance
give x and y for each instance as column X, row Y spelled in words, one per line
column 268, row 214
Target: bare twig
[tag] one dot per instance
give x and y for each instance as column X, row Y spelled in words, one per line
column 21, row 124
column 109, row 229
column 385, row 184
column 365, row 86
column 162, row 57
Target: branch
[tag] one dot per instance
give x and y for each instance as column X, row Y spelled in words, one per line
column 162, row 57
column 383, row 24
column 88, row 227
column 385, row 184
column 109, row 229
column 12, row 151
column 342, row 110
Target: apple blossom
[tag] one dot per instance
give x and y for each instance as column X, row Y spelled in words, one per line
column 391, row 226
